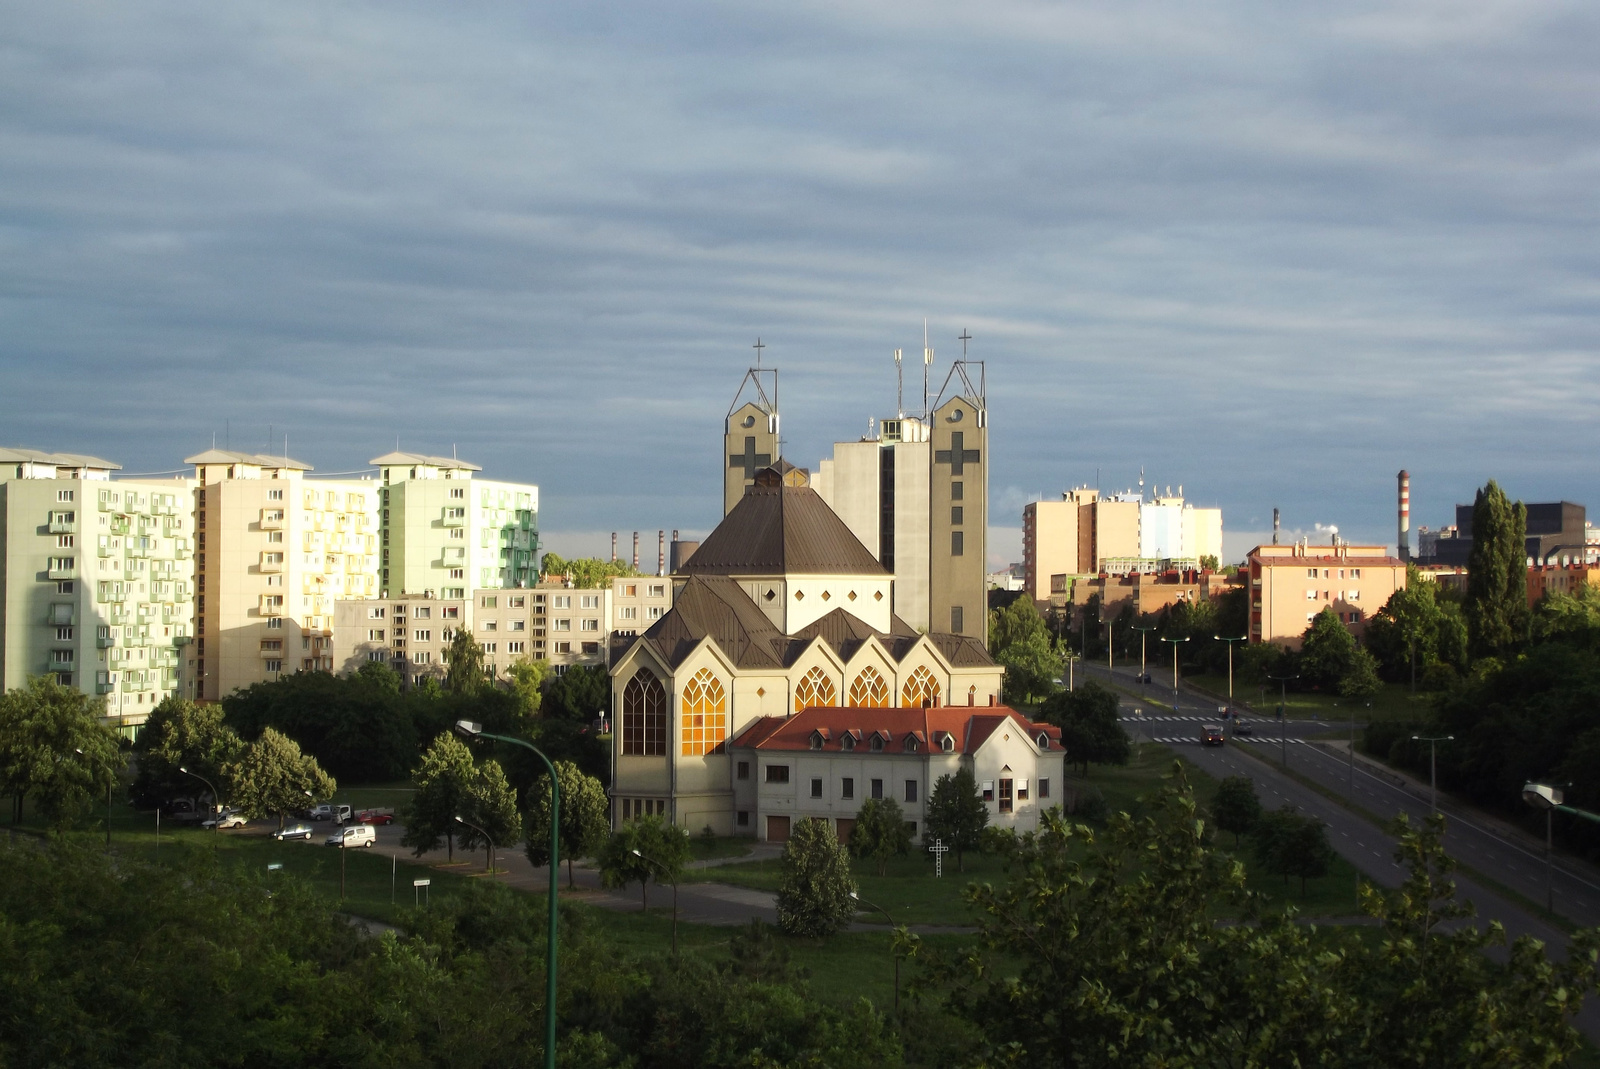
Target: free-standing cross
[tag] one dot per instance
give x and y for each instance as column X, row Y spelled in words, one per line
column 938, row 850
column 957, row 456
column 749, row 460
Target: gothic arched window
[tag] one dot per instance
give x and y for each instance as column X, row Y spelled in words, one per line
column 644, row 716
column 814, row 689
column 869, row 691
column 705, row 714
column 921, row 690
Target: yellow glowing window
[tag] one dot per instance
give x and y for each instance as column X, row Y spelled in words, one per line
column 705, row 714
column 869, row 691
column 920, row 690
column 815, row 689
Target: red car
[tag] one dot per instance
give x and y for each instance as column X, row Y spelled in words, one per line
column 372, row 816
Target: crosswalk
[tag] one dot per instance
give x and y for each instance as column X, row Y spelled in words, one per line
column 1257, row 739
column 1188, row 719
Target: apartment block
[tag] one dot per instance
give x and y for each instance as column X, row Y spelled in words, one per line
column 1086, row 534
column 411, row 634
column 447, row 532
column 1290, row 585
column 98, row 580
column 274, row 552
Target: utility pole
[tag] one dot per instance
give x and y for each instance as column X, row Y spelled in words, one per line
column 1433, row 766
column 1230, row 642
column 1283, row 711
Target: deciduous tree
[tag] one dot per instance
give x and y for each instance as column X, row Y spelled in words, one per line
column 54, row 745
column 1090, row 730
column 275, row 778
column 1289, row 843
column 1236, row 807
column 585, row 817
column 181, row 734
column 580, row 694
column 527, row 679
column 880, row 832
column 956, row 814
column 642, row 850
column 1326, row 650
column 443, row 779
column 489, row 803
column 814, row 892
column 465, row 659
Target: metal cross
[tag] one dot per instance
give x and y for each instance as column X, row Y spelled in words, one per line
column 749, row 460
column 938, row 850
column 758, row 347
column 956, row 456
column 963, row 338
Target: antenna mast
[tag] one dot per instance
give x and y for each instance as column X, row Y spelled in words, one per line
column 899, row 386
column 927, row 362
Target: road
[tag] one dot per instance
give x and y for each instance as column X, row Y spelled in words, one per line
column 1470, row 838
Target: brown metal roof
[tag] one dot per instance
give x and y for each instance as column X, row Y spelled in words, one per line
column 782, row 530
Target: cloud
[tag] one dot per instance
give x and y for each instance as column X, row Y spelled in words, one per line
column 1273, row 254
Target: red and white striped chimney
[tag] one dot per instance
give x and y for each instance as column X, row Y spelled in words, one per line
column 1405, row 516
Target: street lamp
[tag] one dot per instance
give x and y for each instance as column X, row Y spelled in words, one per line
column 1175, row 642
column 473, row 729
column 664, row 868
column 1542, row 796
column 892, row 952
column 1433, row 767
column 1283, row 711
column 1143, row 671
column 1230, row 642
column 489, row 864
column 217, row 798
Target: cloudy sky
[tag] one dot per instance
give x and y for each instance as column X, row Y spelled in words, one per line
column 1271, row 252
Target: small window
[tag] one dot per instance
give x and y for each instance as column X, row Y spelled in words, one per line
column 911, row 790
column 744, row 770
column 816, row 786
column 912, row 745
column 958, row 543
column 877, row 743
column 877, row 788
column 948, row 744
column 744, row 818
column 956, row 491
column 847, row 741
column 1005, row 796
column 847, row 787
column 955, row 515
column 816, row 740
column 988, row 790
column 1044, row 741
column 957, row 619
column 777, row 773
column 1044, row 788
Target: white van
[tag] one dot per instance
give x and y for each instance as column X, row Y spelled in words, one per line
column 355, row 835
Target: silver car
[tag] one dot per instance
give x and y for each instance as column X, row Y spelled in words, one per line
column 226, row 819
column 296, row 831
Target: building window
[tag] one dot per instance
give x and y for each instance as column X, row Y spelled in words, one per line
column 421, row 657
column 519, row 625
column 561, row 625
column 816, row 786
column 744, row 818
column 653, row 612
column 869, row 691
column 561, row 601
column 274, row 666
column 590, row 625
column 374, row 635
column 64, row 495
column 911, row 790
column 847, row 787
column 955, row 515
column 957, row 619
column 814, row 689
column 489, row 647
column 1005, row 796
column 1044, row 789
column 988, row 790
column 1022, row 790
column 705, row 715
column 956, row 491
column 658, row 590
column 489, row 625
column 375, row 613
column 63, row 634
column 958, row 543
column 628, row 612
column 644, row 716
column 589, row 601
column 921, row 690
column 777, row 773
column 876, row 787
column 743, row 770
column 562, row 647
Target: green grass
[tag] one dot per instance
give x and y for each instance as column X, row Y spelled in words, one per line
column 703, row 848
column 375, row 796
column 1393, row 702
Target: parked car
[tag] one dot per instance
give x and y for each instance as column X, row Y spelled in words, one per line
column 226, row 819
column 294, row 831
column 339, row 814
column 1211, row 735
column 375, row 816
column 355, row 835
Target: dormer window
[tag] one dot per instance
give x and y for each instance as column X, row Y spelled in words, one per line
column 877, row 742
column 816, row 740
column 847, row 742
column 911, row 744
column 948, row 743
column 1044, row 741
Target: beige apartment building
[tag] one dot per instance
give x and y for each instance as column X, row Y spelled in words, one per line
column 1290, row 585
column 447, row 532
column 274, row 552
column 411, row 634
column 1085, row 534
column 98, row 580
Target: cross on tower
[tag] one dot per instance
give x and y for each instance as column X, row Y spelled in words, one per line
column 749, row 460
column 956, row 456
column 758, row 347
column 963, row 338
column 938, row 850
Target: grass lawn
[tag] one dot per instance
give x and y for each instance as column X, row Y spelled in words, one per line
column 703, row 848
column 375, row 796
column 1393, row 702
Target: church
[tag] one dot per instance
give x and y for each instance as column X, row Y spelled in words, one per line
column 782, row 616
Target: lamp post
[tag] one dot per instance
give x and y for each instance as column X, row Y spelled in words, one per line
column 1230, row 642
column 664, row 868
column 1143, row 670
column 1543, row 796
column 1433, row 767
column 1175, row 642
column 892, row 952
column 489, row 861
column 473, row 729
column 1283, row 711
column 217, row 798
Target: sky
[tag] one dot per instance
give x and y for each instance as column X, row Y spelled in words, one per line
column 1273, row 253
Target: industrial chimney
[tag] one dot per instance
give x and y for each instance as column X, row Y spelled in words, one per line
column 1404, row 542
column 1274, row 526
column 636, row 551
column 613, row 545
column 661, row 552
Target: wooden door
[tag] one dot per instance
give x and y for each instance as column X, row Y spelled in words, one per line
column 777, row 829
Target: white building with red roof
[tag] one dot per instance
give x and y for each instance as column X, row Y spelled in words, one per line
column 825, row 762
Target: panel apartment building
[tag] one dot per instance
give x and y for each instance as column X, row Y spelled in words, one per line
column 1085, row 534
column 98, row 580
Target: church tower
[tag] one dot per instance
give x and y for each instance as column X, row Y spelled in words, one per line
column 958, row 506
column 750, row 433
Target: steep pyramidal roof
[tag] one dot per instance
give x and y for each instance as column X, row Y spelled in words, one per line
column 782, row 530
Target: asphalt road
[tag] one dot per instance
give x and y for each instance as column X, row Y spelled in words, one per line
column 1472, row 838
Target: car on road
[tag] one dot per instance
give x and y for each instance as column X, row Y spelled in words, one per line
column 355, row 835
column 1211, row 735
column 375, row 816
column 226, row 819
column 294, row 831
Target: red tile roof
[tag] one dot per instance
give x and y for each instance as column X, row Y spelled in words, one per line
column 970, row 725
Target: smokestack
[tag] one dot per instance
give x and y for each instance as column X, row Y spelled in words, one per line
column 661, row 552
column 1274, row 526
column 613, row 545
column 636, row 551
column 1404, row 542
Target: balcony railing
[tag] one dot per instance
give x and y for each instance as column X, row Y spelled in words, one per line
column 272, row 519
column 63, row 526
column 272, row 605
column 270, row 566
column 63, row 573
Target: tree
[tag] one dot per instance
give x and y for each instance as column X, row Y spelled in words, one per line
column 379, row 676
column 586, row 573
column 755, row 955
column 585, row 817
column 54, row 745
column 359, row 728
column 527, row 678
column 814, row 891
column 443, row 778
column 1497, row 572
column 274, row 777
column 1326, row 650
column 1236, row 809
column 181, row 734
column 1289, row 844
column 489, row 803
column 956, row 814
column 1032, row 666
column 1360, row 681
column 579, row 694
column 1090, row 730
column 880, row 832
column 642, row 850
column 465, row 658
